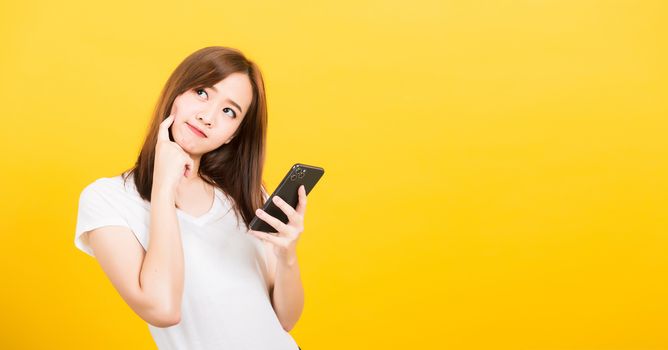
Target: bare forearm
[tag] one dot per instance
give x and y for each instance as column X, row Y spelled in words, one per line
column 288, row 293
column 162, row 270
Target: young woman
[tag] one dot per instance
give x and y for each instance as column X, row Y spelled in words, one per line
column 172, row 232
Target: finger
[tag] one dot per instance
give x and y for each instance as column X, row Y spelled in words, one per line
column 285, row 207
column 301, row 205
column 189, row 167
column 265, row 237
column 274, row 222
column 163, row 132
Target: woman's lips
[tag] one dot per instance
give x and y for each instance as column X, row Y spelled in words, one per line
column 195, row 131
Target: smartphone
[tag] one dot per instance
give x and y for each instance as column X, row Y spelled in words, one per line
column 299, row 174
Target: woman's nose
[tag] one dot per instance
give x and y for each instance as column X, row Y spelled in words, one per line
column 204, row 118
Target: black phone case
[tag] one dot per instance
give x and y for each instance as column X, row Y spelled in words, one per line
column 299, row 174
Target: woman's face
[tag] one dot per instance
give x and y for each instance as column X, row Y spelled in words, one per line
column 215, row 111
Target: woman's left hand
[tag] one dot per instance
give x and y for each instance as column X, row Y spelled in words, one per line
column 285, row 241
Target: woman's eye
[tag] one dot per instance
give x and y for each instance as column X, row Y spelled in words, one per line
column 233, row 115
column 202, row 90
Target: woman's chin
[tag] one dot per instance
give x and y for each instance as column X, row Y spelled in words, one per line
column 192, row 149
column 189, row 149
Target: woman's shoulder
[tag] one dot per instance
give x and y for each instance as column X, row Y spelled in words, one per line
column 112, row 186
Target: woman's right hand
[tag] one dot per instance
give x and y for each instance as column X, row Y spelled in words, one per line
column 171, row 162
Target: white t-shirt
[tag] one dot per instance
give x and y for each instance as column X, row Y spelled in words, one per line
column 226, row 302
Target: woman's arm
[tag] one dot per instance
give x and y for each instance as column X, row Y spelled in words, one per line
column 150, row 282
column 288, row 292
column 162, row 270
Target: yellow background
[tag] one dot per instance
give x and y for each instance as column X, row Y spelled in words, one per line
column 495, row 170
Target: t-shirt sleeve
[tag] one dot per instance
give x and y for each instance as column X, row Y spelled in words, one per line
column 96, row 209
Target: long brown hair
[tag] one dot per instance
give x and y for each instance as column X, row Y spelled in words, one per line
column 236, row 167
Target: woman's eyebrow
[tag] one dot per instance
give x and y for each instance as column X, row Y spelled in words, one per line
column 229, row 100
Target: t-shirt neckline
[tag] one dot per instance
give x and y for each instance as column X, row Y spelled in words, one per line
column 200, row 220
